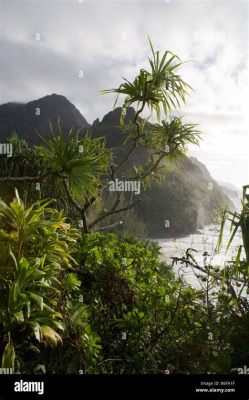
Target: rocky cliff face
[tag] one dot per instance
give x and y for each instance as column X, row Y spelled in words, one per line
column 181, row 205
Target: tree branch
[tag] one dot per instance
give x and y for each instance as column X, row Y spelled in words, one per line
column 75, row 204
column 134, row 145
column 101, row 217
column 21, row 179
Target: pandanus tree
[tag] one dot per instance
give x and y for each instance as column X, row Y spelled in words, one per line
column 83, row 166
column 159, row 89
column 59, row 167
column 77, row 165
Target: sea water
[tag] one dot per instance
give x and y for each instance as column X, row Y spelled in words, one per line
column 205, row 241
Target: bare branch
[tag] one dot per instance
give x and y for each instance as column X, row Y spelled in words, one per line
column 101, row 217
column 21, row 179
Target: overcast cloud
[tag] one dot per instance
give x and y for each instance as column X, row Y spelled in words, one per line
column 107, row 40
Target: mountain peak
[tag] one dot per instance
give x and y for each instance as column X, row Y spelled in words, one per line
column 27, row 119
column 54, row 98
column 113, row 117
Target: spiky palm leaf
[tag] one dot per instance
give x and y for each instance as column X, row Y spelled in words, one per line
column 67, row 159
column 158, row 88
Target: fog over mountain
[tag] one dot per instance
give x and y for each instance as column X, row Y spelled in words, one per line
column 187, row 199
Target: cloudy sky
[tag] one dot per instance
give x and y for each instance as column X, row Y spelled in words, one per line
column 107, row 40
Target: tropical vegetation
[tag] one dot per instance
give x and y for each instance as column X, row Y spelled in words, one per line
column 77, row 295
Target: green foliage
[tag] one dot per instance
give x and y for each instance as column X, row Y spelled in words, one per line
column 8, row 357
column 239, row 221
column 107, row 304
column 80, row 161
column 145, row 317
column 37, row 244
column 160, row 87
column 99, row 302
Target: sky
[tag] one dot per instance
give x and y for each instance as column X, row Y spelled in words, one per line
column 78, row 47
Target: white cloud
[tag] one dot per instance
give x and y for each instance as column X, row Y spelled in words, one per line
column 107, row 40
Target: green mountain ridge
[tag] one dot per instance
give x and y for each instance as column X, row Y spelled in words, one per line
column 181, row 205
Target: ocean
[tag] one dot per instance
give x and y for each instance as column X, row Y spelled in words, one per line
column 204, row 241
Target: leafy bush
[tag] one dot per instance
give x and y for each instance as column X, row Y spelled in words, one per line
column 35, row 251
